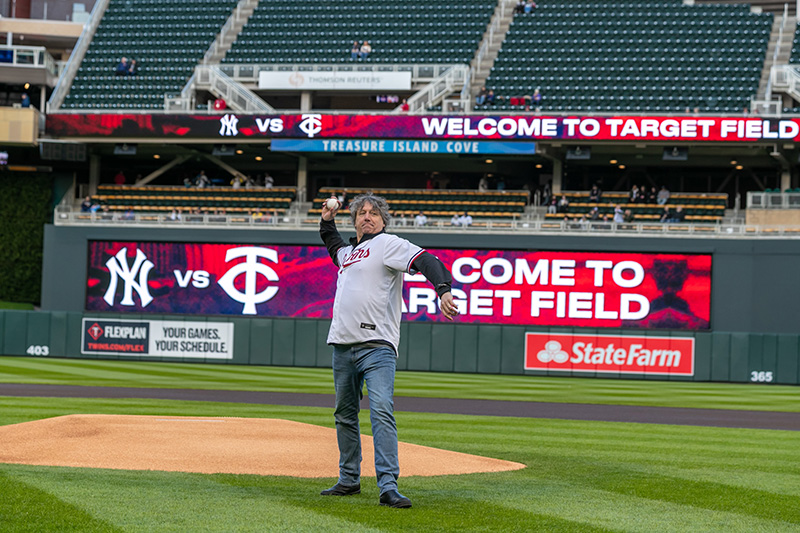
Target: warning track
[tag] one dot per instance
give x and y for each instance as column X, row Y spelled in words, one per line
column 566, row 411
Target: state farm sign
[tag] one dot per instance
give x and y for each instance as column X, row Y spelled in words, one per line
column 610, row 354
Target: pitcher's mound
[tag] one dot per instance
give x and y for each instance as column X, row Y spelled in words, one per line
column 268, row 447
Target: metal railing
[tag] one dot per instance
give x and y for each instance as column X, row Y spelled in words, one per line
column 67, row 216
column 248, row 73
column 773, row 200
column 76, row 57
column 30, row 57
column 451, row 81
column 237, row 97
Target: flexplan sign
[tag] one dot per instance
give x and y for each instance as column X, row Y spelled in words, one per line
column 232, row 126
column 610, row 354
column 157, row 338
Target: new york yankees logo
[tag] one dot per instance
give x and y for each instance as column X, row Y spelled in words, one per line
column 251, row 267
column 227, row 125
column 311, row 124
column 118, row 268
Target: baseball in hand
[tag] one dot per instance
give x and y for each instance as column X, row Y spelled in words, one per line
column 332, row 203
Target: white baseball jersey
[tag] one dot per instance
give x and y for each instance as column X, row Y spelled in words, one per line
column 369, row 290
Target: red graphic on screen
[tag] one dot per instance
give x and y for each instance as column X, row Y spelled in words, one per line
column 619, row 290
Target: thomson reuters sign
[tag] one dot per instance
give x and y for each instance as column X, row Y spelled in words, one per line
column 610, row 354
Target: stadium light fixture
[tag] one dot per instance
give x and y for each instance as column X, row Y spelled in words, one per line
column 259, row 158
column 363, row 154
column 613, row 162
column 239, row 152
column 156, row 156
column 739, row 167
column 734, row 162
column 489, row 161
column 538, row 165
column 622, row 167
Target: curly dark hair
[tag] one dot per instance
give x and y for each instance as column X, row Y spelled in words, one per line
column 377, row 202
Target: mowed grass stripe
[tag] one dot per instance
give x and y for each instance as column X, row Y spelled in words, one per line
column 25, row 507
column 581, row 476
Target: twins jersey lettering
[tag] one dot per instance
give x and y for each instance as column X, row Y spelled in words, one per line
column 369, row 290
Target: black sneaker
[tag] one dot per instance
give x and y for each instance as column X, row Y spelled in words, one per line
column 392, row 498
column 342, row 490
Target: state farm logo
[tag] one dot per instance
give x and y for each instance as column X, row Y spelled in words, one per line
column 610, row 354
column 95, row 331
column 552, row 352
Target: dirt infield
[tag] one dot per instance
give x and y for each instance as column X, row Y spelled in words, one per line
column 730, row 418
column 211, row 445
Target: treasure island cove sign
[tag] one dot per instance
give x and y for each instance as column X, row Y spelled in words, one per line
column 310, row 126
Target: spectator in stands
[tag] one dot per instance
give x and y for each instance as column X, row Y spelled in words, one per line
column 420, row 219
column 552, row 208
column 404, row 107
column 86, row 205
column 595, row 194
column 679, row 216
column 536, row 99
column 501, row 184
column 201, row 180
column 238, row 181
column 519, row 8
column 175, row 215
column 187, row 182
column 563, row 205
column 663, row 195
column 490, row 97
column 594, row 214
column 652, row 196
column 666, row 215
column 530, row 5
column 633, row 196
column 481, row 98
column 628, row 216
column 122, row 67
column 365, row 50
column 465, row 220
column 220, row 104
column 619, row 216
column 483, row 184
column 455, row 220
column 133, row 68
column 26, row 101
column 583, row 223
column 354, row 51
column 128, row 214
column 401, row 219
column 269, row 181
column 119, row 179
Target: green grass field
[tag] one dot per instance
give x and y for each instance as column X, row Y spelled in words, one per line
column 580, row 476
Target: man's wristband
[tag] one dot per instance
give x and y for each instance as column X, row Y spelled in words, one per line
column 442, row 288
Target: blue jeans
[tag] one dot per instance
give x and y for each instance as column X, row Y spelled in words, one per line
column 352, row 366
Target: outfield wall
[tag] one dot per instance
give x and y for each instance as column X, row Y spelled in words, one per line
column 754, row 324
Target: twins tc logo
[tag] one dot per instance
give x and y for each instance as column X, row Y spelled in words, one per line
column 119, row 269
column 311, row 124
column 251, row 268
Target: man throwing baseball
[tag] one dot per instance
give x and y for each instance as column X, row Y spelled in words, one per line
column 365, row 333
